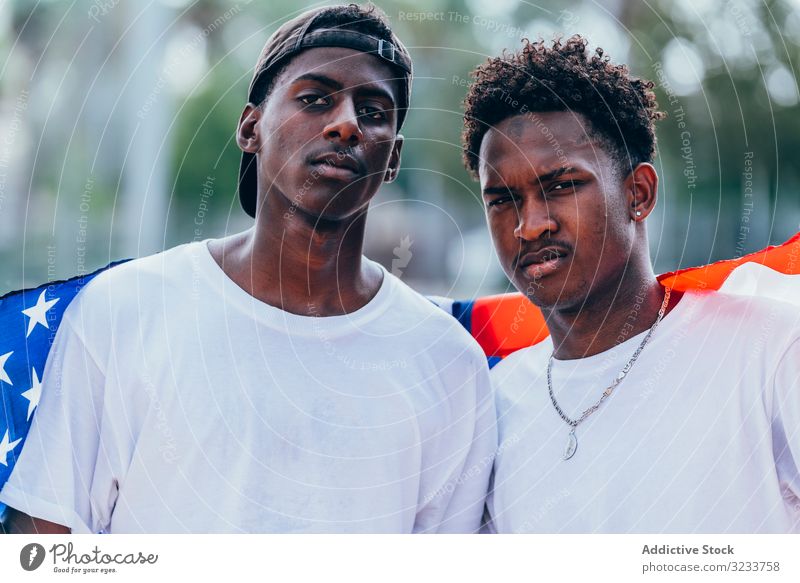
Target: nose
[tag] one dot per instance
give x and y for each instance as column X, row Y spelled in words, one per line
column 343, row 126
column 534, row 220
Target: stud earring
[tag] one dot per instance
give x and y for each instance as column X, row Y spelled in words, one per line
column 638, row 213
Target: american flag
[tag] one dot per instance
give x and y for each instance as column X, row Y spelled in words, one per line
column 29, row 320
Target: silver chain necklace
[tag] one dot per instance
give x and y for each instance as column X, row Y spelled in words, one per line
column 572, row 440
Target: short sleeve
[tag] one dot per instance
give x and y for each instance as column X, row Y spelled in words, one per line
column 487, row 524
column 63, row 473
column 459, row 502
column 786, row 422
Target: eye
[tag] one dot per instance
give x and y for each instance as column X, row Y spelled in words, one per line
column 371, row 112
column 563, row 186
column 314, row 100
column 500, row 200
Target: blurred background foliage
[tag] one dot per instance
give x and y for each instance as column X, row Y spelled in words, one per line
column 117, row 121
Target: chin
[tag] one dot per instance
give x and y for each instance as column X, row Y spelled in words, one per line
column 551, row 294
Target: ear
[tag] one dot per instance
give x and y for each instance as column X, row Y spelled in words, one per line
column 247, row 135
column 394, row 160
column 641, row 188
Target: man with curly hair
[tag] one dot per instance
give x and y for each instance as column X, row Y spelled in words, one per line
column 274, row 380
column 646, row 410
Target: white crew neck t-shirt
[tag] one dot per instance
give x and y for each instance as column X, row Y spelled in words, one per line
column 702, row 436
column 173, row 401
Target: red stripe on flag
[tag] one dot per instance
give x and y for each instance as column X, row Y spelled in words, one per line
column 783, row 258
column 505, row 323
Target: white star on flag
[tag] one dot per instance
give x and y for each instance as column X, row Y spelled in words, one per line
column 38, row 313
column 3, row 374
column 34, row 393
column 6, row 447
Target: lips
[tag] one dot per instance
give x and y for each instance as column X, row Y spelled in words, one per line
column 542, row 262
column 337, row 165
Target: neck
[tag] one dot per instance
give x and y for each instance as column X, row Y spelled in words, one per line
column 300, row 263
column 609, row 316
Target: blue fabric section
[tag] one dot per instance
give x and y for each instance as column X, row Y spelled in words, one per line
column 462, row 311
column 25, row 342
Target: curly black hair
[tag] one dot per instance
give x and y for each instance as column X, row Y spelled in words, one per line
column 621, row 109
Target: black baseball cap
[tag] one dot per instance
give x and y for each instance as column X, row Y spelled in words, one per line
column 295, row 36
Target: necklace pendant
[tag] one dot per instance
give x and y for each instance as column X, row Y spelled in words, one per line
column 572, row 445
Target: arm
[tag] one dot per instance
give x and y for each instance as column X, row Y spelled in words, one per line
column 487, row 522
column 20, row 523
column 786, row 421
column 465, row 512
column 63, row 474
column 454, row 502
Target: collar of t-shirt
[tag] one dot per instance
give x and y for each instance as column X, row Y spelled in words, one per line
column 234, row 300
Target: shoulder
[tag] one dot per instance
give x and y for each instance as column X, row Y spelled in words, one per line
column 169, row 265
column 514, row 376
column 524, row 361
column 129, row 288
column 430, row 323
column 748, row 317
column 734, row 303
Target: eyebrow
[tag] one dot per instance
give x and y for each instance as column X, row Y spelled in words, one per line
column 557, row 173
column 496, row 190
column 336, row 86
column 322, row 79
column 546, row 177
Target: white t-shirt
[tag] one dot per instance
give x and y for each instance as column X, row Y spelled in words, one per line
column 703, row 435
column 173, row 401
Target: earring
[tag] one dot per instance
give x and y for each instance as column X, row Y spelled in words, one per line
column 638, row 213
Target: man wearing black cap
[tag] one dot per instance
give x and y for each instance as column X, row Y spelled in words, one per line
column 275, row 380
